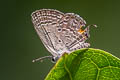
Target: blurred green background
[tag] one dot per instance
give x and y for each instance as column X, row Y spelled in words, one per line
column 20, row 43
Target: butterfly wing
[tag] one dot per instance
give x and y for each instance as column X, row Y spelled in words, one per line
column 45, row 23
column 71, row 26
column 59, row 32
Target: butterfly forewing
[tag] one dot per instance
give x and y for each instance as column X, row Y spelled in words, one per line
column 46, row 22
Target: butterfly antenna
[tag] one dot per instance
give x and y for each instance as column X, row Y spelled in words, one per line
column 41, row 58
column 94, row 25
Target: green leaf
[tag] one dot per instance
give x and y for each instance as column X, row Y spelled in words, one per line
column 86, row 64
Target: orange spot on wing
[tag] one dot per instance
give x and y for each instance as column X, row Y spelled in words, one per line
column 80, row 30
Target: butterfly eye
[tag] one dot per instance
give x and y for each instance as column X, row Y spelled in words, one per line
column 54, row 59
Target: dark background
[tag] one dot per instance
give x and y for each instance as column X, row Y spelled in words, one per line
column 20, row 43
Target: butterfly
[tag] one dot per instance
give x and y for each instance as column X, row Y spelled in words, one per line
column 60, row 32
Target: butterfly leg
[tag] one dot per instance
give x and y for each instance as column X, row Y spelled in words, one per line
column 41, row 58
